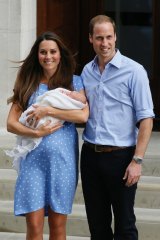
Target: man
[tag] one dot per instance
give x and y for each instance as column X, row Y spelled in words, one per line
column 119, row 98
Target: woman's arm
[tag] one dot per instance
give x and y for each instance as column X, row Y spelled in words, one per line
column 76, row 116
column 14, row 126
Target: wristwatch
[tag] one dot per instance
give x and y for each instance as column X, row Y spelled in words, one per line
column 137, row 159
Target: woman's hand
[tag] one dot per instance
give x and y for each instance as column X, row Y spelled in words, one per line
column 35, row 115
column 14, row 126
column 47, row 128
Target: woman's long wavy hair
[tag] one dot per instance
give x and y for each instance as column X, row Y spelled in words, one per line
column 31, row 73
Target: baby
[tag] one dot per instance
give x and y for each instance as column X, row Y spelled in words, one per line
column 59, row 98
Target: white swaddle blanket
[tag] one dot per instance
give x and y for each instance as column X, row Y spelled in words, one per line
column 55, row 98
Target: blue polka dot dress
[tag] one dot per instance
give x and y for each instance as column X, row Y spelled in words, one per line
column 49, row 174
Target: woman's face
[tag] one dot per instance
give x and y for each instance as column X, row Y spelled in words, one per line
column 49, row 56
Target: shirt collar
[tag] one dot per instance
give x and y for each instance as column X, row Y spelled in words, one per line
column 94, row 62
column 115, row 61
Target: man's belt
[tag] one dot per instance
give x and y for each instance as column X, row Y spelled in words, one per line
column 103, row 148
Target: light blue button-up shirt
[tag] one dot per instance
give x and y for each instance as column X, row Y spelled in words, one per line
column 118, row 99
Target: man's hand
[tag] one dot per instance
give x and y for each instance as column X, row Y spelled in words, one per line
column 133, row 173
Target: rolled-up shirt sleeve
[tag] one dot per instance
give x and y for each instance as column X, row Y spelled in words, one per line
column 141, row 94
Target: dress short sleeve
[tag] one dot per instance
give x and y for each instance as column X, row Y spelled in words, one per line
column 42, row 88
column 77, row 83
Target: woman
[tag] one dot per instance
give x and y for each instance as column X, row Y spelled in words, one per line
column 48, row 176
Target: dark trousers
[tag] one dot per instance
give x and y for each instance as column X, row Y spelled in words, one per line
column 105, row 192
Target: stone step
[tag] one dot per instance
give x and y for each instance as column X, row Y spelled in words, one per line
column 22, row 236
column 148, row 192
column 7, row 183
column 151, row 166
column 7, row 141
column 147, row 196
column 76, row 224
column 148, row 222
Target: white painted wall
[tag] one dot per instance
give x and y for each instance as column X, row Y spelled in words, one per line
column 17, row 34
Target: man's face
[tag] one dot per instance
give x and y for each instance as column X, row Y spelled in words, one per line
column 103, row 40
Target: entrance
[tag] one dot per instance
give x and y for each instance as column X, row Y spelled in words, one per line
column 138, row 25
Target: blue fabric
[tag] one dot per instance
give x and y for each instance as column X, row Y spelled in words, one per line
column 49, row 174
column 118, row 99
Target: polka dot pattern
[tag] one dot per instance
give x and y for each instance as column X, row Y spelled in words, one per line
column 48, row 176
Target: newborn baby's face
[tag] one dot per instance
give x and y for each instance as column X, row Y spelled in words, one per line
column 74, row 95
column 77, row 96
column 65, row 91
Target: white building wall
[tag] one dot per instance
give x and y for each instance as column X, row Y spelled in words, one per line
column 17, row 34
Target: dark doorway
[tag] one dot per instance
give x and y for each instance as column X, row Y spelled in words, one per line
column 69, row 19
column 138, row 32
column 59, row 16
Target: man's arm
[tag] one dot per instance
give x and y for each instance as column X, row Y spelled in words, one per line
column 145, row 130
column 133, row 171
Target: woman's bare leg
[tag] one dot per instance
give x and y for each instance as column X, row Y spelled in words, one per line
column 35, row 223
column 57, row 225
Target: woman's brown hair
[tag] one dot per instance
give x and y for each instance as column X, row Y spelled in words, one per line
column 30, row 72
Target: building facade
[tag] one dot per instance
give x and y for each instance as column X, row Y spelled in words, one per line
column 137, row 21
column 138, row 31
column 17, row 33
